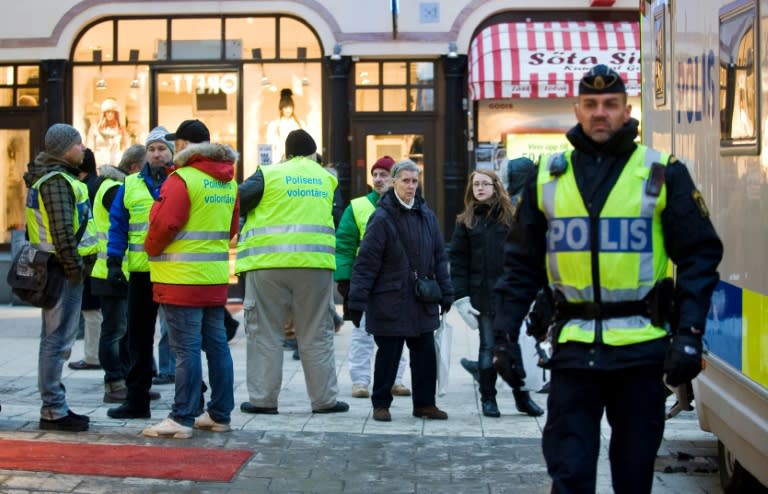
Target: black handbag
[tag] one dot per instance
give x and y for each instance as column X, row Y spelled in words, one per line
column 425, row 288
column 36, row 277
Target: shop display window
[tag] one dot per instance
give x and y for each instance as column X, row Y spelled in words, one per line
column 402, row 86
column 19, row 85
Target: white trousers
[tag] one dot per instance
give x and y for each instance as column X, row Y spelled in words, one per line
column 361, row 353
column 91, row 336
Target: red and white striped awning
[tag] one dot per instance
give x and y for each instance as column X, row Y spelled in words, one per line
column 547, row 59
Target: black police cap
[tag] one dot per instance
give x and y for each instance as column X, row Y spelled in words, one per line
column 601, row 79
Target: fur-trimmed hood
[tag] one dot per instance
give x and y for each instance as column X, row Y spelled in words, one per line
column 113, row 172
column 206, row 152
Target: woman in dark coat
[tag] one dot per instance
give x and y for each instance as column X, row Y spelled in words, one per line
column 477, row 261
column 402, row 236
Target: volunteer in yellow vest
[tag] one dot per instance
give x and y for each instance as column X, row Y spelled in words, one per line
column 113, row 294
column 59, row 220
column 128, row 224
column 598, row 225
column 286, row 253
column 349, row 234
column 188, row 246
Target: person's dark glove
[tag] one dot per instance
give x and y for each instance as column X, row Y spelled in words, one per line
column 343, row 287
column 355, row 316
column 115, row 271
column 508, row 360
column 445, row 307
column 683, row 360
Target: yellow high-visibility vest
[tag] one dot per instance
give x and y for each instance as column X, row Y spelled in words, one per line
column 138, row 201
column 101, row 220
column 630, row 246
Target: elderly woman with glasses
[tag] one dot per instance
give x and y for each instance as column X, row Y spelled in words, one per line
column 477, row 261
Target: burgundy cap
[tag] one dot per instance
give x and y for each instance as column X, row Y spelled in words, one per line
column 385, row 163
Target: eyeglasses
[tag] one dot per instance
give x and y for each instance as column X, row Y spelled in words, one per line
column 482, row 184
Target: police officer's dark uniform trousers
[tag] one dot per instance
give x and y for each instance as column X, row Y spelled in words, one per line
column 624, row 380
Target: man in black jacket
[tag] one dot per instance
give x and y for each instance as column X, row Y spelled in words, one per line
column 610, row 351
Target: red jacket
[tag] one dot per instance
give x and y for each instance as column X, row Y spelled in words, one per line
column 170, row 213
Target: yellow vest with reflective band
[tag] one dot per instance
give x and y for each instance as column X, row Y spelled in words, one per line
column 138, row 201
column 101, row 220
column 630, row 252
column 362, row 209
column 199, row 254
column 38, row 223
column 292, row 227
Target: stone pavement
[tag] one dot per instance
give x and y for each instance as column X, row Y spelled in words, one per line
column 300, row 452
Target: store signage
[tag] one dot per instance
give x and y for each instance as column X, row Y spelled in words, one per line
column 204, row 83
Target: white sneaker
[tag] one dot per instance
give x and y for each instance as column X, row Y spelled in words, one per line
column 205, row 422
column 359, row 391
column 168, row 428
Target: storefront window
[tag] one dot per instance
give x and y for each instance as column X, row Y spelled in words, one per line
column 15, row 146
column 255, row 33
column 140, row 38
column 96, row 44
column 19, row 85
column 394, row 86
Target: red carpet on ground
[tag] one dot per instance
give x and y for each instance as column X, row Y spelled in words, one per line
column 123, row 460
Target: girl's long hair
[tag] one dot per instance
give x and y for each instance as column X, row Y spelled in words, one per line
column 500, row 202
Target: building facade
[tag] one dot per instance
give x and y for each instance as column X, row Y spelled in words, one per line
column 450, row 84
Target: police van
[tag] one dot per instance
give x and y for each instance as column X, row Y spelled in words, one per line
column 705, row 99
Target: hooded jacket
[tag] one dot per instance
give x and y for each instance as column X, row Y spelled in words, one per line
column 171, row 212
column 59, row 200
column 382, row 283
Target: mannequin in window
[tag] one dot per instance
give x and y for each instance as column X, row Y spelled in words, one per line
column 108, row 136
column 278, row 130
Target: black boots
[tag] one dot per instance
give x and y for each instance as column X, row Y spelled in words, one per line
column 487, row 381
column 525, row 404
column 471, row 367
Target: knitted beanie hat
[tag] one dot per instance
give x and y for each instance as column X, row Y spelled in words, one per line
column 299, row 143
column 158, row 135
column 385, row 163
column 60, row 138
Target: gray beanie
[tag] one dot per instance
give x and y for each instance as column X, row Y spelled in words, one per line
column 158, row 135
column 59, row 138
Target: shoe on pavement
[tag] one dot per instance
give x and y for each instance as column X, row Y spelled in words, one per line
column 340, row 406
column 248, row 407
column 360, row 391
column 296, row 355
column 382, row 415
column 125, row 411
column 168, row 428
column 71, row 422
column 154, row 395
column 206, row 423
column 400, row 390
column 290, row 344
column 490, row 408
column 431, row 412
column 164, row 379
column 83, row 365
column 471, row 367
column 118, row 396
column 525, row 404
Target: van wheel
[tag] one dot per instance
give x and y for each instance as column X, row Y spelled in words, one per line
column 733, row 477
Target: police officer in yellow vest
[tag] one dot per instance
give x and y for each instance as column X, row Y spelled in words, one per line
column 286, row 253
column 59, row 220
column 349, row 235
column 599, row 225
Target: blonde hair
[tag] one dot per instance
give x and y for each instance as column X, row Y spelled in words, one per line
column 500, row 202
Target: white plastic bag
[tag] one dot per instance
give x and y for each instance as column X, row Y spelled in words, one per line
column 443, row 337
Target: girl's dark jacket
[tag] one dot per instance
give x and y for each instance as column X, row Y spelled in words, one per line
column 477, row 258
column 382, row 283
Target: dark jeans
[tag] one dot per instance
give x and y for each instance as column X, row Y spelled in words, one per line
column 142, row 315
column 423, row 368
column 113, row 343
column 633, row 400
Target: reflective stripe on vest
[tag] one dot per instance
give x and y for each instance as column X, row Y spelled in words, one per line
column 199, row 254
column 362, row 210
column 630, row 246
column 101, row 220
column 292, row 227
column 138, row 201
column 38, row 222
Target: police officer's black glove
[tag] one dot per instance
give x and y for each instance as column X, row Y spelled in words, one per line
column 115, row 271
column 355, row 316
column 508, row 360
column 683, row 360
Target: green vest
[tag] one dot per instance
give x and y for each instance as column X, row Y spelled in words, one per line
column 199, row 254
column 292, row 227
column 362, row 209
column 138, row 201
column 38, row 222
column 630, row 246
column 101, row 220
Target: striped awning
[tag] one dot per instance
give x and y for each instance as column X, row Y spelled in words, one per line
column 547, row 59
